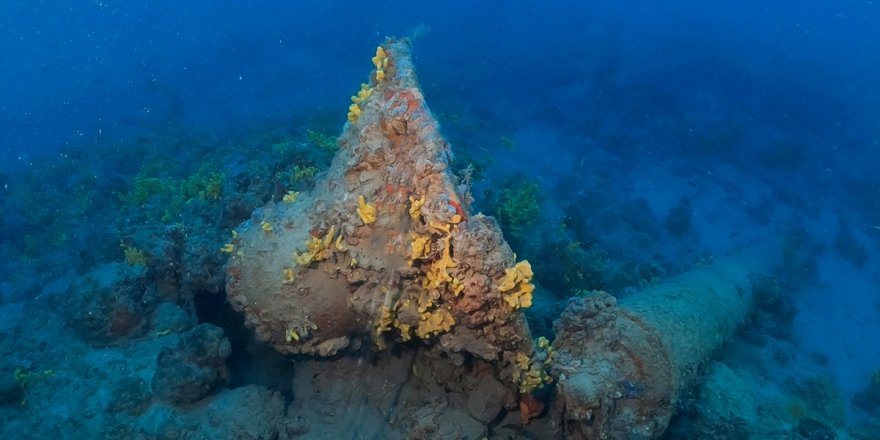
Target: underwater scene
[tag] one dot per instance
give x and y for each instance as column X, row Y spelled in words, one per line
column 439, row 220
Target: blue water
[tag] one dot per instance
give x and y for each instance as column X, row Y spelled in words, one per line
column 749, row 117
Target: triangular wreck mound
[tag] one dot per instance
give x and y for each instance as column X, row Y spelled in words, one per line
column 383, row 250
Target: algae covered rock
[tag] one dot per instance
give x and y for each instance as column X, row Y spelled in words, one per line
column 194, row 367
column 110, row 303
column 172, row 318
column 130, row 395
column 487, row 400
column 258, row 414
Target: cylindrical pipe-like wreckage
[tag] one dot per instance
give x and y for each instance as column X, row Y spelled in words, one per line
column 622, row 365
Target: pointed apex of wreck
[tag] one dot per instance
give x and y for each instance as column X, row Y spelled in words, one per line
column 390, row 111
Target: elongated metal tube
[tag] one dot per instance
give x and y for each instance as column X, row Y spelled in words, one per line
column 622, row 365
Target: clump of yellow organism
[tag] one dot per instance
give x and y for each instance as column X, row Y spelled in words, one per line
column 381, row 63
column 404, row 330
column 384, row 324
column 420, row 246
column 300, row 330
column 291, row 335
column 266, row 226
column 289, row 276
column 362, row 94
column 134, row 256
column 531, row 374
column 545, row 352
column 438, row 273
column 318, row 249
column 290, row 197
column 354, row 112
column 386, row 319
column 434, row 248
column 366, row 211
column 434, row 322
column 516, row 286
column 230, row 247
column 380, row 60
column 457, row 286
column 415, row 207
column 340, row 244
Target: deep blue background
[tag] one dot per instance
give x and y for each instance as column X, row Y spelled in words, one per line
column 77, row 72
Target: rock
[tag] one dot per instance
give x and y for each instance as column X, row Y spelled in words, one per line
column 170, row 317
column 11, row 393
column 486, row 401
column 815, row 430
column 436, row 421
column 258, row 414
column 204, row 265
column 108, row 304
column 822, row 399
column 868, row 399
column 131, row 396
column 462, row 426
column 194, row 367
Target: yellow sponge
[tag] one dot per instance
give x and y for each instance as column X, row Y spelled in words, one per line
column 354, row 112
column 381, row 63
column 366, row 211
column 516, row 285
column 318, row 249
column 434, row 323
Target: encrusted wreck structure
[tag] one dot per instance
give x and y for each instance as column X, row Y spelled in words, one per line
column 383, row 249
column 384, row 256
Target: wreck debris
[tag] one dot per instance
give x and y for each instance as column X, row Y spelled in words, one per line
column 621, row 366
